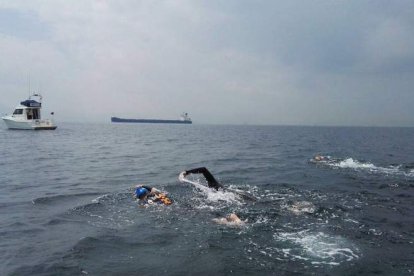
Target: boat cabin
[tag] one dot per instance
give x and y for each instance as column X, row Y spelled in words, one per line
column 29, row 110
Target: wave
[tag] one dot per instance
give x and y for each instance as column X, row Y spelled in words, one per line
column 60, row 198
column 108, row 210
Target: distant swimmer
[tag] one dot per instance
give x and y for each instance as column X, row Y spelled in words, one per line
column 150, row 195
column 323, row 159
column 230, row 220
column 320, row 158
column 213, row 183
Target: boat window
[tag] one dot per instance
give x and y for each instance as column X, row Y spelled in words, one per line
column 18, row 111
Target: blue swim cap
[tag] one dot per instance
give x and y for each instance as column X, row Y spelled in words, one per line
column 140, row 192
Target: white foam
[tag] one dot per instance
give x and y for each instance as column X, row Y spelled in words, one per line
column 215, row 196
column 212, row 194
column 354, row 164
column 375, row 232
column 261, row 220
column 351, row 220
column 300, row 207
column 322, row 248
column 99, row 198
column 203, row 206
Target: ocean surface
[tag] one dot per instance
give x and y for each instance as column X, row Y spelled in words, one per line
column 66, row 205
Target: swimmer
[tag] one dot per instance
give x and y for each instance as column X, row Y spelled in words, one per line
column 324, row 159
column 320, row 158
column 230, row 220
column 149, row 195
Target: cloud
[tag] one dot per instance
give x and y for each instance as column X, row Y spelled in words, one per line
column 390, row 47
column 280, row 62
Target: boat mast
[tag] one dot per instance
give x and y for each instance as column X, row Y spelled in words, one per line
column 28, row 80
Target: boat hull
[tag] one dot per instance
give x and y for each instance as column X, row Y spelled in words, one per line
column 29, row 125
column 149, row 121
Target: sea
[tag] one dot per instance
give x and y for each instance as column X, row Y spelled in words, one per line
column 67, row 205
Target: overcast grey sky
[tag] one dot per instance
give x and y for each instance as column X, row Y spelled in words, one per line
column 227, row 62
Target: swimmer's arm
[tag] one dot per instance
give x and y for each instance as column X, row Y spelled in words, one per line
column 212, row 182
column 155, row 192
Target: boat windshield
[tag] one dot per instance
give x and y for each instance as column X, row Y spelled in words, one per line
column 18, row 111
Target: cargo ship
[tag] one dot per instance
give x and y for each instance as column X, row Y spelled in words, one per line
column 184, row 119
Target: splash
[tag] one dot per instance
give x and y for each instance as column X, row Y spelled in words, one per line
column 300, row 207
column 211, row 194
column 318, row 248
column 350, row 163
column 354, row 164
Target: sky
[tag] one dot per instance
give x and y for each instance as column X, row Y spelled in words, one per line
column 342, row 62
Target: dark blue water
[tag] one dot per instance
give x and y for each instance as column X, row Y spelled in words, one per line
column 66, row 206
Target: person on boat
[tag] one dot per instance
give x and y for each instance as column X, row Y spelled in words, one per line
column 211, row 181
column 150, row 195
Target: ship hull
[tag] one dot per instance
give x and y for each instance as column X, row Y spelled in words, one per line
column 149, row 121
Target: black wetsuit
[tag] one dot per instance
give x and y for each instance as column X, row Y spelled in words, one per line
column 212, row 182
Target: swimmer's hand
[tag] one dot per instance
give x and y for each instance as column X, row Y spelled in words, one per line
column 182, row 176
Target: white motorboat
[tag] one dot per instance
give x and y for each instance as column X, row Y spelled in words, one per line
column 27, row 116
